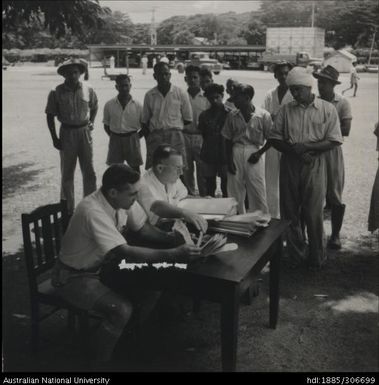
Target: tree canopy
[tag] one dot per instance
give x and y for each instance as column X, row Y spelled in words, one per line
column 77, row 23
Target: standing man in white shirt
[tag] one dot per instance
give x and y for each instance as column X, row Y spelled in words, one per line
column 274, row 99
column 95, row 238
column 161, row 189
column 246, row 130
column 192, row 135
column 122, row 123
column 166, row 110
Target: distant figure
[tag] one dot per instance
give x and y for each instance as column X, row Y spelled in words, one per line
column 373, row 217
column 144, row 64
column 165, row 59
column 154, row 61
column 230, row 86
column 111, row 62
column 353, row 80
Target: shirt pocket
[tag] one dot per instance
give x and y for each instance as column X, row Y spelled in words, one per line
column 255, row 133
column 174, row 110
column 317, row 131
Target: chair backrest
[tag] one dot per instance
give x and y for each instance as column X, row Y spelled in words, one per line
column 42, row 231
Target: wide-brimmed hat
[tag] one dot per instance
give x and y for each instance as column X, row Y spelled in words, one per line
column 329, row 73
column 80, row 63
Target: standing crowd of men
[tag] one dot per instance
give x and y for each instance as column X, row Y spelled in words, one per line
column 283, row 158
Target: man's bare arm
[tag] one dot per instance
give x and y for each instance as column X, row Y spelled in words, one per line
column 51, row 124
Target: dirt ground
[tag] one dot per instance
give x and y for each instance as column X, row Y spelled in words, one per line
column 336, row 332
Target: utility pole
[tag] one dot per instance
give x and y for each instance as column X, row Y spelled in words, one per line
column 153, row 30
column 313, row 14
column 372, row 46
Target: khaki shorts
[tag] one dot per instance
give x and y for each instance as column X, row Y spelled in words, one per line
column 124, row 148
column 81, row 289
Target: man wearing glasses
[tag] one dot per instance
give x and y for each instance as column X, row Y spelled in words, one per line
column 161, row 189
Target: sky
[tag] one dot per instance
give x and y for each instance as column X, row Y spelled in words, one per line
column 141, row 11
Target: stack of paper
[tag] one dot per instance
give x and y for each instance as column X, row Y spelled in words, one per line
column 212, row 244
column 210, row 208
column 245, row 224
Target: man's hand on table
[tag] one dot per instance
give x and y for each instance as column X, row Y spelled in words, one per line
column 186, row 254
column 197, row 220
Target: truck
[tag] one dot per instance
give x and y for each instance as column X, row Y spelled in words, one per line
column 202, row 60
column 302, row 59
column 300, row 46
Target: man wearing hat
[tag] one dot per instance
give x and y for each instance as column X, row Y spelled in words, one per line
column 304, row 129
column 75, row 105
column 327, row 79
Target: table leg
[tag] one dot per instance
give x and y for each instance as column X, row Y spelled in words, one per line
column 229, row 330
column 274, row 283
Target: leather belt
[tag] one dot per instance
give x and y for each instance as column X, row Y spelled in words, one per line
column 126, row 134
column 73, row 126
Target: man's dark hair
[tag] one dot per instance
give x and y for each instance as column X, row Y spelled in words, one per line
column 205, row 72
column 163, row 151
column 159, row 66
column 117, row 175
column 281, row 65
column 121, row 77
column 214, row 88
column 245, row 89
column 191, row 68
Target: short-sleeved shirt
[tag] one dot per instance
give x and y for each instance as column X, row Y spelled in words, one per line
column 166, row 112
column 343, row 107
column 95, row 229
column 211, row 123
column 72, row 106
column 255, row 131
column 271, row 102
column 199, row 103
column 153, row 190
column 122, row 120
column 353, row 75
column 314, row 123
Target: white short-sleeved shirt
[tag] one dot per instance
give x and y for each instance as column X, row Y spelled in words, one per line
column 343, row 107
column 153, row 190
column 271, row 102
column 165, row 112
column 122, row 120
column 316, row 122
column 95, row 229
column 255, row 131
column 199, row 103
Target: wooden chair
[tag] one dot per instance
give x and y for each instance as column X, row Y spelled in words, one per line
column 42, row 231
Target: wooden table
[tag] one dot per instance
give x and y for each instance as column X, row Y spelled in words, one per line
column 224, row 278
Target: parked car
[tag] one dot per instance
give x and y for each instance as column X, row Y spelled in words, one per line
column 373, row 68
column 361, row 68
column 226, row 66
column 202, row 60
column 254, row 66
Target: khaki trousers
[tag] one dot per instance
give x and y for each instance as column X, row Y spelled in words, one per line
column 272, row 170
column 249, row 179
column 303, row 190
column 76, row 144
column 193, row 148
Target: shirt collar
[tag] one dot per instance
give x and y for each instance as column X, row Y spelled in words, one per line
column 66, row 87
column 156, row 91
column 316, row 103
column 106, row 205
column 130, row 101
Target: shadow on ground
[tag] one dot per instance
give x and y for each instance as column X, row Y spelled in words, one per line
column 328, row 322
column 16, row 177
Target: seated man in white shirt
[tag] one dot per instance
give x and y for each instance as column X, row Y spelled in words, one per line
column 94, row 239
column 161, row 189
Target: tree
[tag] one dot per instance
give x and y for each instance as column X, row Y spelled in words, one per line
column 184, row 37
column 255, row 33
column 56, row 16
